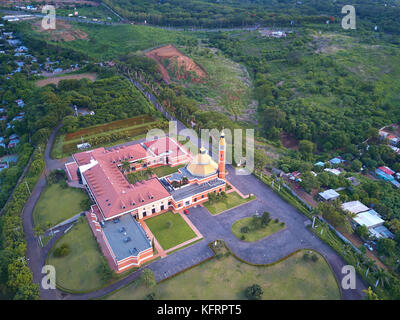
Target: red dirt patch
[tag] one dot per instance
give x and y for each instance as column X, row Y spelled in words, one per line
column 289, row 141
column 63, row 31
column 178, row 65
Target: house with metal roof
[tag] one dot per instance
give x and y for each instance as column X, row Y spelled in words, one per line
column 329, row 195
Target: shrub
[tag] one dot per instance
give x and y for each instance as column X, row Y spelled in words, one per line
column 253, row 292
column 150, row 296
column 276, row 220
column 314, row 258
column 62, row 251
column 242, row 237
column 244, row 229
column 147, row 277
column 306, row 256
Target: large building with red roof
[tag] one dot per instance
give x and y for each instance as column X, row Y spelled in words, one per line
column 118, row 204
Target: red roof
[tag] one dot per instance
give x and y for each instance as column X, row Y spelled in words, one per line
column 386, row 170
column 164, row 145
column 113, row 193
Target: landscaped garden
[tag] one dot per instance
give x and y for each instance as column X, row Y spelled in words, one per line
column 166, row 170
column 170, row 229
column 78, row 267
column 57, row 203
column 255, row 228
column 223, row 203
column 305, row 275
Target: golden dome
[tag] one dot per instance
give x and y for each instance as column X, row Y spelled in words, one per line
column 202, row 164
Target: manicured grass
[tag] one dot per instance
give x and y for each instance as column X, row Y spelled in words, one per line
column 227, row 278
column 169, row 237
column 254, row 235
column 57, row 204
column 233, row 199
column 77, row 270
column 165, row 170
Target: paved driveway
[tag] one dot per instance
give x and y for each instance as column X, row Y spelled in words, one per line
column 295, row 236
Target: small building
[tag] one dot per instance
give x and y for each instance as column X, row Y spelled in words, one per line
column 354, row 181
column 354, row 207
column 329, row 195
column 381, row 232
column 336, row 161
column 383, row 174
column 370, row 219
column 319, row 164
column 336, row 172
column 83, row 146
column 277, row 172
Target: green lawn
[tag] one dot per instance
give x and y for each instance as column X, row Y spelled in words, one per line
column 168, row 237
column 227, row 278
column 254, row 235
column 77, row 271
column 233, row 199
column 57, row 204
column 165, row 170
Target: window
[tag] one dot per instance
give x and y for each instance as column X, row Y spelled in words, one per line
column 202, row 196
column 179, row 205
column 153, row 210
column 195, row 199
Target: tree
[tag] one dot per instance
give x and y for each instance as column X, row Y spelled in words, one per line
column 306, row 148
column 147, row 277
column 356, row 165
column 29, row 291
column 370, row 295
column 126, row 167
column 265, row 219
column 253, row 292
column 363, row 232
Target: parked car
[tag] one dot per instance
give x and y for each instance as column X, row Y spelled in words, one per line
column 186, row 211
column 368, row 246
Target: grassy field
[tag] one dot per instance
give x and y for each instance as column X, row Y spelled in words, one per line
column 136, row 128
column 227, row 87
column 107, row 42
column 170, row 236
column 233, row 199
column 57, row 204
column 165, row 170
column 254, row 235
column 77, row 270
column 227, row 278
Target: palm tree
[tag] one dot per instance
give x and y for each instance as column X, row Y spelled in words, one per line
column 382, row 276
column 370, row 265
column 125, row 166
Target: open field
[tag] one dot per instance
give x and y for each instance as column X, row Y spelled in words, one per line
column 227, row 88
column 119, row 124
column 78, row 270
column 233, row 199
column 254, row 235
column 107, row 42
column 108, row 134
column 57, row 204
column 56, row 80
column 170, row 229
column 64, row 32
column 227, row 278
